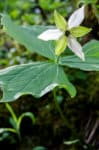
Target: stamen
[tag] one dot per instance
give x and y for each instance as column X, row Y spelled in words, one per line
column 67, row 33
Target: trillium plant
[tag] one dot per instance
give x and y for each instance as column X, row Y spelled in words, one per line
column 66, row 32
column 53, row 43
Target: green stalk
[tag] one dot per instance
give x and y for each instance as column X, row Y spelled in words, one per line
column 59, row 110
column 57, row 59
column 11, row 112
column 14, row 118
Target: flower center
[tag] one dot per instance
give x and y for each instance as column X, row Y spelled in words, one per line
column 67, row 33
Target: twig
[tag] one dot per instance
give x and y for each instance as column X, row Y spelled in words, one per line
column 93, row 131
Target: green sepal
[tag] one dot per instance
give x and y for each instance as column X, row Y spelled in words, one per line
column 61, row 45
column 79, row 31
column 60, row 21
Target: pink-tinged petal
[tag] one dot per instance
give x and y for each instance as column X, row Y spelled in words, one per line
column 76, row 47
column 76, row 18
column 51, row 34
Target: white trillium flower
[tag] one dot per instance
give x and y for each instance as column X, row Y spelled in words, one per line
column 66, row 33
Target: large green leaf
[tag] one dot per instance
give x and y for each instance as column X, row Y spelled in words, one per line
column 34, row 78
column 91, row 63
column 27, row 36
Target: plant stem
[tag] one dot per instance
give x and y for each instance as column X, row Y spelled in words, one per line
column 57, row 59
column 59, row 110
column 11, row 112
column 15, row 119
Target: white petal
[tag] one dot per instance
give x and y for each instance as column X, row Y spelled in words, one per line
column 51, row 34
column 76, row 18
column 76, row 47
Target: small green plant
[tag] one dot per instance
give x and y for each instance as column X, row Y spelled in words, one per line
column 16, row 121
